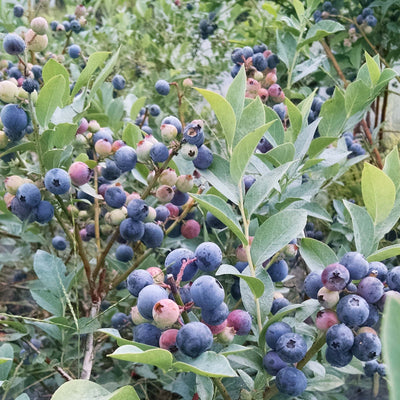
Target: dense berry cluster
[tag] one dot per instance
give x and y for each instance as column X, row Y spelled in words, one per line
column 208, row 26
column 353, row 146
column 327, row 12
column 73, row 23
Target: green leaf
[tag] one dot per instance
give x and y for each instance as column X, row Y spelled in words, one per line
column 320, row 30
column 6, row 352
column 53, row 68
column 114, row 333
column 204, row 387
column 137, row 106
column 48, row 301
column 385, row 253
column 295, row 117
column 50, row 97
column 378, row 192
column 356, row 97
column 324, row 383
column 275, row 233
column 132, row 135
column 392, row 167
column 276, row 129
column 333, row 115
column 63, row 135
column 363, row 228
column 220, row 209
column 23, row 396
column 244, row 150
column 279, row 155
column 286, row 45
column 255, row 285
column 373, row 68
column 390, row 346
column 207, row 364
column 320, row 144
column 124, row 393
column 304, row 139
column 253, row 116
column 299, row 7
column 22, row 147
column 4, row 360
column 104, row 73
column 263, row 186
column 386, row 76
column 96, row 60
column 317, row 255
column 236, row 91
column 159, row 357
column 224, row 113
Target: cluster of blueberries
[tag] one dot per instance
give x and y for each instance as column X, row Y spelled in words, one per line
column 157, row 313
column 351, row 309
column 327, row 12
column 314, row 112
column 73, row 23
column 354, row 147
column 207, row 26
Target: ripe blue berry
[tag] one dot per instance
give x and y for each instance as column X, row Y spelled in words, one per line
column 137, row 280
column 29, row 85
column 105, row 134
column 237, row 56
column 75, row 26
column 291, row 381
column 74, row 51
column 248, row 181
column 180, row 198
column 125, row 158
column 216, row 316
column 171, row 120
column 13, row 44
column 18, row 11
column 159, row 152
column 154, row 110
column 259, row 62
column 291, row 347
column 173, row 263
column 352, row 310
column 120, row 320
column 208, row 256
column 207, row 292
column 162, row 87
column 335, row 277
column 147, row 334
column 393, row 278
column 371, row 289
column 118, row 82
column 124, row 253
column 339, row 337
column 278, row 271
column 204, row 158
column 279, row 303
column 214, row 222
column 247, row 52
column 367, row 346
column 153, row 235
column 194, row 339
column 275, row 331
column 273, row 363
column 131, row 230
column 14, row 118
column 379, row 269
column 312, row 284
column 162, row 213
column 357, row 265
column 59, row 243
column 14, row 72
column 138, row 209
column 149, row 296
column 111, row 172
column 338, row 358
column 44, row 212
column 29, row 195
column 57, row 181
column 115, row 197
column 193, row 134
column 370, row 367
column 373, row 316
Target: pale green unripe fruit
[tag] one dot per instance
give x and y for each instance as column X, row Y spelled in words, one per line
column 39, row 25
column 8, row 91
column 189, row 151
column 168, row 177
column 35, row 42
column 328, row 298
column 184, row 183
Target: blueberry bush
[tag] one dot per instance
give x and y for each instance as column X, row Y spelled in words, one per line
column 199, row 200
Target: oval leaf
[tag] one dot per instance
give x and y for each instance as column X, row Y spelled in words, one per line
column 385, row 253
column 317, row 255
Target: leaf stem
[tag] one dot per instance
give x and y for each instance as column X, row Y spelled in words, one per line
column 177, row 297
column 221, row 388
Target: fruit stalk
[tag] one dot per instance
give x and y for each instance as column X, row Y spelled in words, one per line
column 177, row 297
column 221, row 388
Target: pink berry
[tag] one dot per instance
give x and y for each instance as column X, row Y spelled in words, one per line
column 187, row 82
column 216, row 329
column 83, row 126
column 165, row 313
column 103, row 148
column 165, row 193
column 39, row 25
column 190, row 229
column 274, row 90
column 8, row 197
column 117, row 145
column 241, row 252
column 263, row 93
column 168, row 132
column 240, row 320
column 79, row 173
column 136, row 317
column 168, row 177
column 157, row 274
column 271, row 79
column 227, row 335
column 168, row 340
column 173, row 210
column 327, row 298
column 325, row 319
column 143, row 150
column 267, row 53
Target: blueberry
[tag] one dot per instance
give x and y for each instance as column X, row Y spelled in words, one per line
column 275, row 331
column 147, row 130
column 19, row 276
column 57, row 181
column 291, row 347
column 327, row 6
column 162, row 213
column 153, row 235
column 74, row 51
column 235, row 290
column 59, row 243
column 338, row 358
column 115, row 197
column 235, row 70
column 214, row 222
column 171, row 120
column 381, row 370
column 273, row 363
column 194, row 339
column 193, row 134
column 357, row 265
column 138, row 210
column 184, row 292
column 44, row 212
column 173, row 263
column 208, row 256
column 29, row 85
column 124, row 253
column 280, row 109
column 248, row 181
column 241, row 265
column 291, row 381
column 131, row 230
column 379, row 269
column 159, row 152
column 37, row 71
column 67, row 26
column 14, row 72
column 18, row 11
column 105, row 134
column 278, row 271
column 13, row 44
column 162, row 87
column 339, row 337
column 216, row 316
column 137, row 280
column 352, row 310
column 29, row 195
column 279, row 303
column 14, row 118
column 118, row 82
column 260, row 62
column 370, row 367
column 240, row 320
column 75, row 26
column 317, row 15
column 180, row 198
column 237, row 56
column 367, row 346
column 111, row 172
column 264, row 146
column 204, row 158
column 207, row 292
column 259, row 48
column 154, row 110
column 120, row 320
column 247, row 52
column 149, row 296
column 53, row 25
column 20, row 209
column 371, row 20
column 312, row 284
column 273, row 61
column 373, row 316
column 335, row 277
column 371, row 289
column 367, row 11
column 147, row 334
column 125, row 158
column 393, row 278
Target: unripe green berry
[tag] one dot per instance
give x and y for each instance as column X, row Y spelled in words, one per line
column 168, row 177
column 39, row 25
column 184, row 183
column 189, row 151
